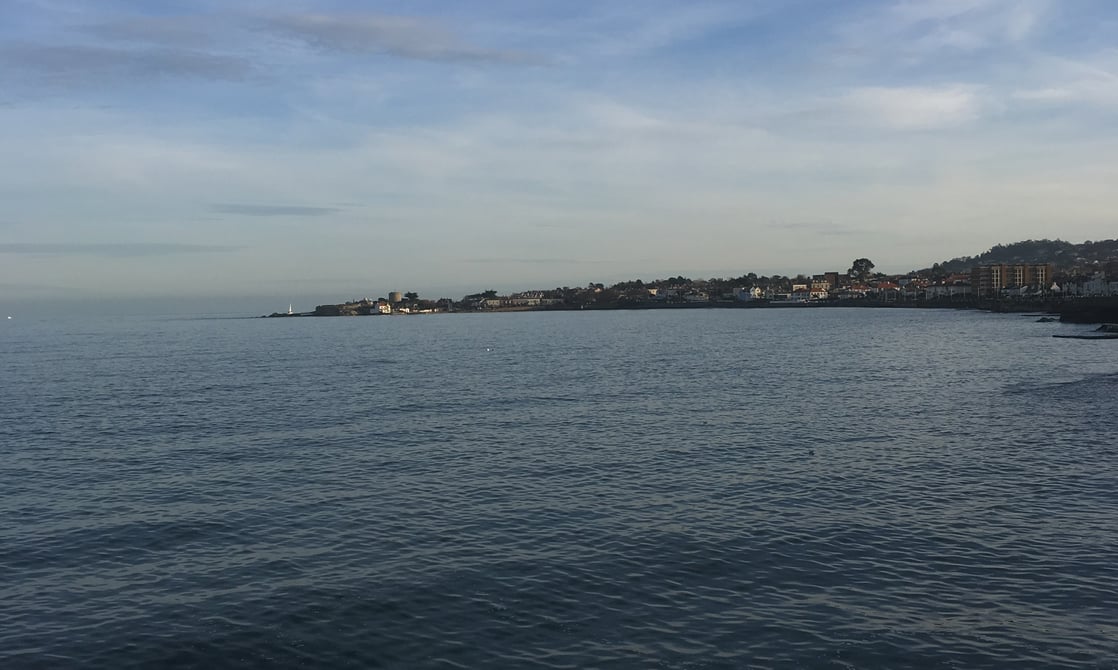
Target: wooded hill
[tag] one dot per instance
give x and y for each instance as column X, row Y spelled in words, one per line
column 1065, row 255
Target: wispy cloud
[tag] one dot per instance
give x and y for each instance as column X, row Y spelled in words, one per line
column 401, row 36
column 272, row 210
column 182, row 31
column 226, row 46
column 1089, row 80
column 912, row 31
column 643, row 29
column 978, row 119
column 124, row 249
column 914, row 108
column 82, row 64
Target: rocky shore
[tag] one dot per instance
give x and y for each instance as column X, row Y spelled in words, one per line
column 1090, row 310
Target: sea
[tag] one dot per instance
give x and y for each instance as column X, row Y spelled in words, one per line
column 705, row 488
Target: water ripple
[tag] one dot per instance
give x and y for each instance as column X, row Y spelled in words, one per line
column 709, row 490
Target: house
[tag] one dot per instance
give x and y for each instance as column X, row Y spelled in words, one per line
column 821, row 288
column 947, row 290
column 1096, row 286
column 885, row 291
column 747, row 294
column 848, row 294
column 512, row 301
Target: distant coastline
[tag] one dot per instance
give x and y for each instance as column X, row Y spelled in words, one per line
column 1083, row 292
column 1069, row 310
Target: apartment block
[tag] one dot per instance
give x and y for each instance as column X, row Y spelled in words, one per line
column 989, row 280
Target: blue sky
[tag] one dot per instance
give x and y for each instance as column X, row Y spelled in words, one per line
column 326, row 150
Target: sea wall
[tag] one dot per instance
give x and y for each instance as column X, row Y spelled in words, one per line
column 1090, row 310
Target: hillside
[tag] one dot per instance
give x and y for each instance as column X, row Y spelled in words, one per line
column 1065, row 255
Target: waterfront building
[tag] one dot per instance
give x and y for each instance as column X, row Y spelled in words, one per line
column 1096, row 286
column 800, row 294
column 990, row 280
column 821, row 287
column 948, row 289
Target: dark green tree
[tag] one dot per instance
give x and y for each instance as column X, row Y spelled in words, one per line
column 861, row 269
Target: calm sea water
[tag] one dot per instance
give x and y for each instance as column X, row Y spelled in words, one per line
column 698, row 489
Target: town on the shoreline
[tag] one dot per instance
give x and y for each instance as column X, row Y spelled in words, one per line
column 1001, row 286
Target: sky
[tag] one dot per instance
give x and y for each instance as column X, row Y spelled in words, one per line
column 324, row 150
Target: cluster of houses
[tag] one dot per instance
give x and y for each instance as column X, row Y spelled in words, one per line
column 1011, row 281
column 998, row 281
column 524, row 299
column 985, row 282
column 396, row 303
column 829, row 286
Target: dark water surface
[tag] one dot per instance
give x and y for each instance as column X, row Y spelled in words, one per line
column 697, row 489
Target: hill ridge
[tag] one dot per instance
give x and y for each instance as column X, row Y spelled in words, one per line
column 1064, row 255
